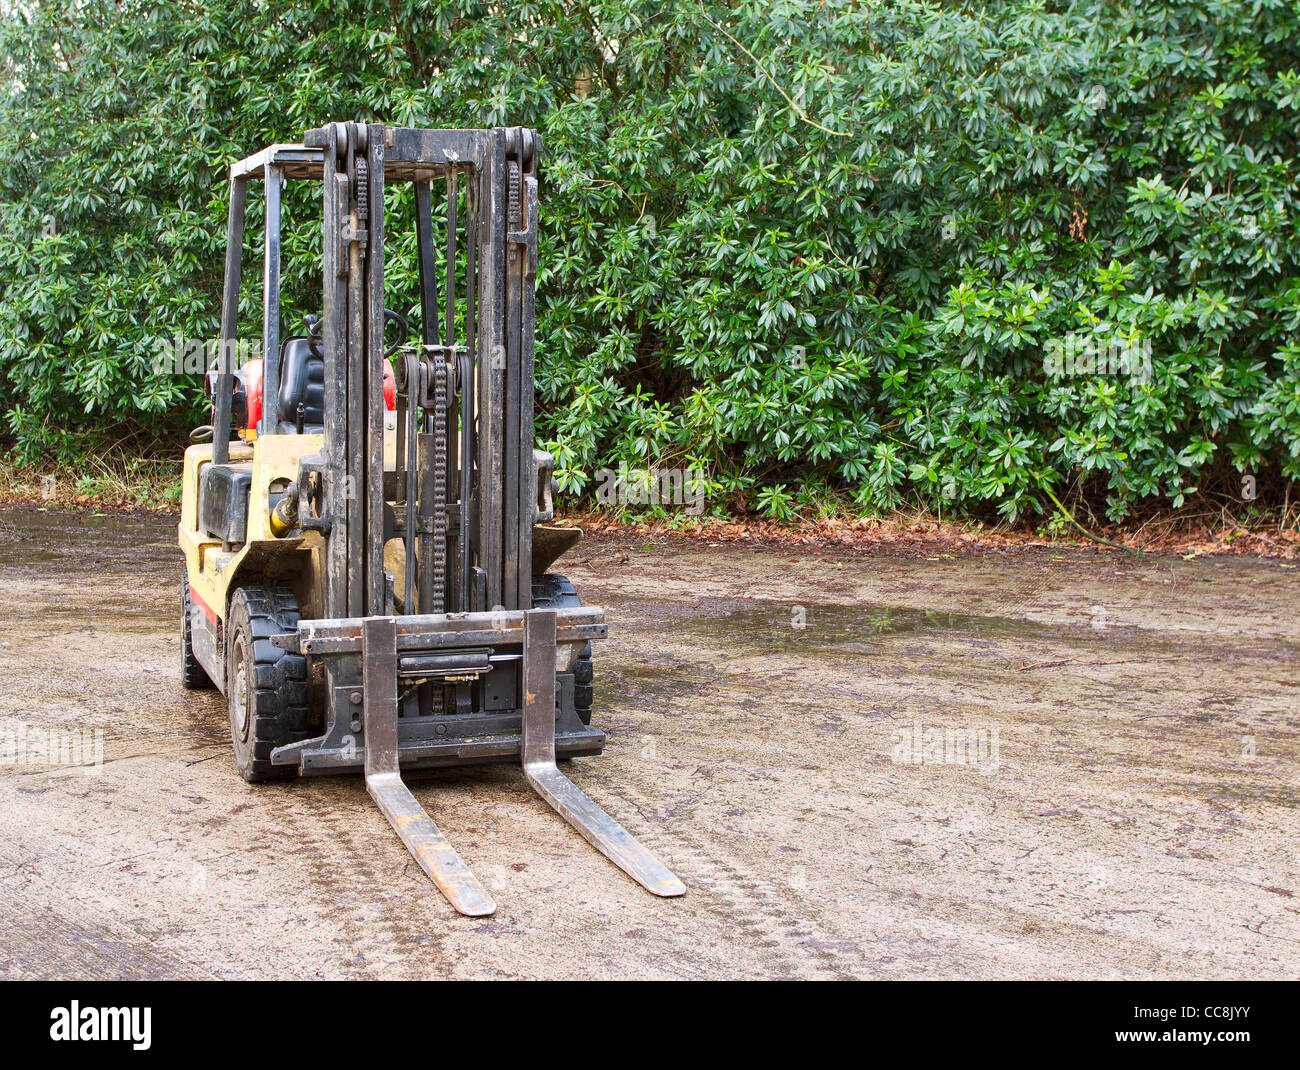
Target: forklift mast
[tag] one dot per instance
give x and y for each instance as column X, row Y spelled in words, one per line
column 465, row 399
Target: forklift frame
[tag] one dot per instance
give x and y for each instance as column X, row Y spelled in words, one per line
column 467, row 671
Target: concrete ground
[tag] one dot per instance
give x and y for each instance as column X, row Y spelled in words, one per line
column 1052, row 763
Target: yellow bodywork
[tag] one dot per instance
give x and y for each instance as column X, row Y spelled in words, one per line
column 211, row 569
column 214, row 572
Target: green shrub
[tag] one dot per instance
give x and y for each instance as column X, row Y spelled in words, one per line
column 827, row 244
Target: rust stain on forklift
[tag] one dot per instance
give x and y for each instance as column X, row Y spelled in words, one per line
column 366, row 559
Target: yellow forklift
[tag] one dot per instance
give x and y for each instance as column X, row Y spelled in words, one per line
column 364, row 522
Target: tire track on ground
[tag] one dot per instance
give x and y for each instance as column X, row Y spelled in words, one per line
column 756, row 907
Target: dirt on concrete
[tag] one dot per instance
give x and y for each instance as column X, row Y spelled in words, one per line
column 863, row 764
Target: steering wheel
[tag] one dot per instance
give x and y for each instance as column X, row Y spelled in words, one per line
column 312, row 323
column 400, row 320
column 201, row 434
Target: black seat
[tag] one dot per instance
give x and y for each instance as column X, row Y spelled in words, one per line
column 302, row 382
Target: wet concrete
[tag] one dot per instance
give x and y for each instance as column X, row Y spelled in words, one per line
column 1132, row 811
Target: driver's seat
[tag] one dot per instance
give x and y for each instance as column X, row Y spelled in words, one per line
column 302, row 382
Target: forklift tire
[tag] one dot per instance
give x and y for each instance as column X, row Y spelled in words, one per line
column 193, row 676
column 266, row 687
column 553, row 591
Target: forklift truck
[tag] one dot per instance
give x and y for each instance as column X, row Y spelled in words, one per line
column 365, row 521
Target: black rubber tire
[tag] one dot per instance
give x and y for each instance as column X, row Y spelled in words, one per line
column 266, row 687
column 193, row 675
column 553, row 591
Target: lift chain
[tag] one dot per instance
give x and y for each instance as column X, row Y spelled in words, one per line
column 440, row 405
column 513, row 201
column 363, row 190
